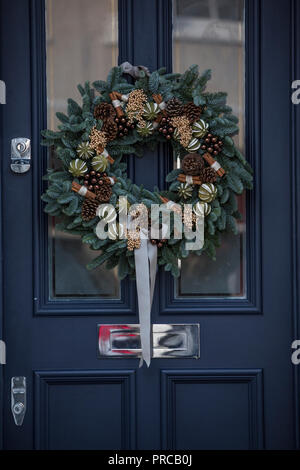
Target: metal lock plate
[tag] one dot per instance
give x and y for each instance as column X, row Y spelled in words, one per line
column 18, row 399
column 20, row 155
column 169, row 341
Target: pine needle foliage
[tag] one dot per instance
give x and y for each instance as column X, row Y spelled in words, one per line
column 75, row 126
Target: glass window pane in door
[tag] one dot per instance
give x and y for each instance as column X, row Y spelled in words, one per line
column 82, row 44
column 210, row 33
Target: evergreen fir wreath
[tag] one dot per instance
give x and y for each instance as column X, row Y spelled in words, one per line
column 116, row 119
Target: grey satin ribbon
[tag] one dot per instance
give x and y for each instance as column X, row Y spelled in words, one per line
column 145, row 267
column 136, row 71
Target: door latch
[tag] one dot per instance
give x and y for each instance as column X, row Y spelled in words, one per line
column 20, row 155
column 18, row 399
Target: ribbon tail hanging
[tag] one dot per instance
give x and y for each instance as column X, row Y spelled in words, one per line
column 152, row 256
column 144, row 302
column 145, row 266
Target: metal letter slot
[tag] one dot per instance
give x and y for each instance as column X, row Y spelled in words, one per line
column 20, row 155
column 169, row 341
column 18, row 399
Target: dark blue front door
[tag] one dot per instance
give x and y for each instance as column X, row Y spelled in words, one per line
column 242, row 392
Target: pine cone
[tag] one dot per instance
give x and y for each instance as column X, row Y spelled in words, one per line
column 104, row 193
column 192, row 112
column 88, row 210
column 208, row 175
column 104, row 111
column 111, row 129
column 192, row 164
column 174, row 107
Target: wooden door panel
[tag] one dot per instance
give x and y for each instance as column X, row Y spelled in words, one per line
column 241, row 392
column 212, row 409
column 84, row 410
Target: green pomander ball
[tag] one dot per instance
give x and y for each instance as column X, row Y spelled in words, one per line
column 193, row 146
column 85, row 152
column 185, row 190
column 146, row 130
column 151, row 111
column 202, row 209
column 99, row 163
column 200, row 129
column 78, row 167
column 207, row 192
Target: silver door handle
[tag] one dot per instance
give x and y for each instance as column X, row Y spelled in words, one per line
column 18, row 399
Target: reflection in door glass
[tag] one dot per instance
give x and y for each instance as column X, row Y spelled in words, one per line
column 210, row 33
column 82, row 44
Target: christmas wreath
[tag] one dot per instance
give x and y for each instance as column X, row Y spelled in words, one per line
column 118, row 118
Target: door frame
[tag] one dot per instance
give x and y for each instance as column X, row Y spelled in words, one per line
column 2, row 111
column 128, row 9
column 295, row 207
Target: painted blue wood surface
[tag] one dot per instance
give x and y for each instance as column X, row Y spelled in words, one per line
column 243, row 391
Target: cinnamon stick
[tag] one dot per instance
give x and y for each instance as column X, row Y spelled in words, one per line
column 214, row 164
column 82, row 190
column 104, row 152
column 183, row 179
column 159, row 100
column 110, row 179
column 116, row 104
column 164, row 199
column 173, row 205
column 121, row 97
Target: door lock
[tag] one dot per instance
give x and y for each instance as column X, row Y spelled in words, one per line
column 20, row 155
column 18, row 399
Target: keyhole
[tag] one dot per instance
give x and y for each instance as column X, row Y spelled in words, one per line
column 18, row 408
column 21, row 147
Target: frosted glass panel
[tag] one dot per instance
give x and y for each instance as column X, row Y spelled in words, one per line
column 82, row 44
column 210, row 33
